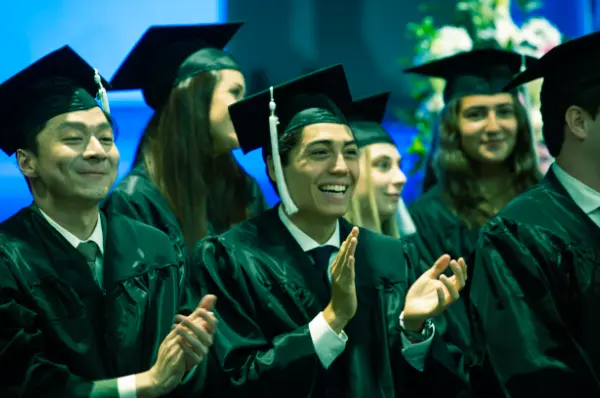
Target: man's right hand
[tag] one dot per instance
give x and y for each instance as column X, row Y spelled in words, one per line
column 342, row 307
column 167, row 372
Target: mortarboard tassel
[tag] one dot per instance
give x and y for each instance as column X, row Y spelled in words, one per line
column 288, row 204
column 527, row 101
column 102, row 96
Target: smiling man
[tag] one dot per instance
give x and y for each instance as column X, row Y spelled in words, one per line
column 87, row 301
column 297, row 318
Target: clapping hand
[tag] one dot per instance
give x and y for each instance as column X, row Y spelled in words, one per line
column 197, row 331
column 433, row 292
column 342, row 306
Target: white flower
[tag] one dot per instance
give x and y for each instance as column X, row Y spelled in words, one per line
column 448, row 41
column 435, row 103
column 506, row 31
column 503, row 31
column 538, row 37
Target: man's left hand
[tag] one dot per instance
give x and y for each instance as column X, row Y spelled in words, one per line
column 197, row 331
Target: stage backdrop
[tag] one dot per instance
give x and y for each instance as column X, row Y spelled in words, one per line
column 281, row 39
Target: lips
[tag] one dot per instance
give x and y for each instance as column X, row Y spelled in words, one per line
column 499, row 141
column 93, row 174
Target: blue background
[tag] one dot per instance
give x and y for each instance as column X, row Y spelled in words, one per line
column 104, row 32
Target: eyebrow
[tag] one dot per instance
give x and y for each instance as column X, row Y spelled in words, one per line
column 388, row 157
column 83, row 127
column 499, row 105
column 330, row 142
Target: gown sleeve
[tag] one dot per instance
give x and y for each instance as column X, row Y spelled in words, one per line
column 439, row 363
column 520, row 333
column 439, row 232
column 255, row 365
column 122, row 204
column 119, row 203
column 24, row 369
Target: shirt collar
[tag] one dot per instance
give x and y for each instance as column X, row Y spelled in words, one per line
column 306, row 242
column 97, row 236
column 583, row 196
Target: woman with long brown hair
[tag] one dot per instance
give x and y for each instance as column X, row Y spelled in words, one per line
column 185, row 181
column 485, row 158
column 377, row 203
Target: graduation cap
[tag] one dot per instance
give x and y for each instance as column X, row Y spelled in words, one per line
column 59, row 83
column 261, row 118
column 476, row 72
column 561, row 70
column 169, row 54
column 365, row 117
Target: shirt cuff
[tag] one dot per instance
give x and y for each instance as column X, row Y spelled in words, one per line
column 416, row 353
column 127, row 387
column 328, row 344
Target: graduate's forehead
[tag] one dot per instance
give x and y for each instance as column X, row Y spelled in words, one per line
column 90, row 120
column 327, row 133
column 230, row 77
column 487, row 100
column 383, row 149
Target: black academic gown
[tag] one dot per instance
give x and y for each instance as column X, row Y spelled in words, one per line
column 440, row 232
column 535, row 295
column 268, row 293
column 59, row 331
column 136, row 196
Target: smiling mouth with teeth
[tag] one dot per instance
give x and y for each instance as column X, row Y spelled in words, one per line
column 334, row 189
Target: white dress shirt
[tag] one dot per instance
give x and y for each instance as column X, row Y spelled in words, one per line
column 585, row 197
column 97, row 237
column 328, row 344
column 126, row 384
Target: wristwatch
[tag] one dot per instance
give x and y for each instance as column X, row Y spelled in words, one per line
column 413, row 337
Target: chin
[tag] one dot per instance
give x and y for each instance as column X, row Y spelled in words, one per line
column 334, row 211
column 388, row 212
column 94, row 194
column 493, row 158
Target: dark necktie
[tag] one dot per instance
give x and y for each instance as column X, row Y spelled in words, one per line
column 89, row 250
column 321, row 256
column 322, row 285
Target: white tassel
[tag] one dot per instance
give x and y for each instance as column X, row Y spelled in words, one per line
column 102, row 95
column 288, row 204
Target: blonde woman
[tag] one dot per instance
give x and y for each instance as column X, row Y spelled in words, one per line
column 377, row 203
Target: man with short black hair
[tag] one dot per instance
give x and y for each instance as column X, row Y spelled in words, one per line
column 297, row 318
column 86, row 299
column 536, row 265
